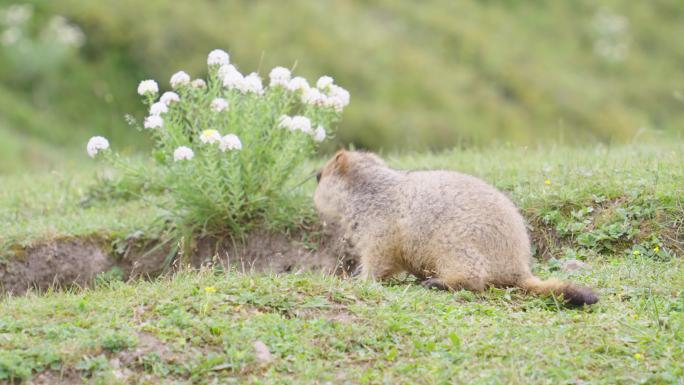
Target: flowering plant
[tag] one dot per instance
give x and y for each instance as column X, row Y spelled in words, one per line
column 228, row 146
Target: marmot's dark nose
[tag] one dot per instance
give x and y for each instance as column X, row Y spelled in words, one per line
column 318, row 177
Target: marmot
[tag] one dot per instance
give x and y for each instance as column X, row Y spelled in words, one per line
column 452, row 231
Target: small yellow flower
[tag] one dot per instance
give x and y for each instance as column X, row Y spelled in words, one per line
column 656, row 249
column 635, row 252
column 210, row 136
column 547, row 182
column 210, row 289
column 638, row 356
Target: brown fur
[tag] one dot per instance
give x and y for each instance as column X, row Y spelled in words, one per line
column 450, row 229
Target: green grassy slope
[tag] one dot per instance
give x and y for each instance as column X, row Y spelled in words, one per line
column 421, row 75
column 603, row 199
column 201, row 329
column 46, row 206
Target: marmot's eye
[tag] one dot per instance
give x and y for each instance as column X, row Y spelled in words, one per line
column 318, row 177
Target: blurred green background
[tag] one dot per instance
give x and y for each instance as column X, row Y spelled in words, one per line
column 423, row 75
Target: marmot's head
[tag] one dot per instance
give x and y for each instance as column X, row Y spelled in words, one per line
column 337, row 178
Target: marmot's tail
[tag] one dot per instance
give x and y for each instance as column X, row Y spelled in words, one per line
column 573, row 294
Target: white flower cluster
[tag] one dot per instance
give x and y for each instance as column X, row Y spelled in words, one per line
column 159, row 108
column 183, row 153
column 251, row 83
column 169, row 97
column 58, row 30
column 218, row 57
column 228, row 142
column 319, row 134
column 229, row 75
column 64, row 32
column 180, row 78
column 219, row 104
column 210, row 137
column 303, row 124
column 324, row 82
column 10, row 36
column 233, row 79
column 298, row 83
column 17, row 14
column 326, row 94
column 313, row 96
column 153, row 121
column 14, row 17
column 96, row 144
column 337, row 98
column 612, row 35
column 148, row 87
column 295, row 123
column 280, row 76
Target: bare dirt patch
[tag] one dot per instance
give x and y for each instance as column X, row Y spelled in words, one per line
column 51, row 377
column 69, row 262
column 55, row 264
column 147, row 344
column 267, row 252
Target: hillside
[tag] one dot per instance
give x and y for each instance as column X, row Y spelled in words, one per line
column 422, row 75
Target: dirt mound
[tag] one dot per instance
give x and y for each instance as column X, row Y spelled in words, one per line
column 64, row 263
column 266, row 252
column 56, row 263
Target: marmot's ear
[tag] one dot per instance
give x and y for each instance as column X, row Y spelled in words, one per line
column 341, row 162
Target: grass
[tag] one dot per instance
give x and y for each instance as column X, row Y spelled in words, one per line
column 618, row 208
column 321, row 329
column 645, row 181
column 51, row 205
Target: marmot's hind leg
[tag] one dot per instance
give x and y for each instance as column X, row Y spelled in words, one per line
column 435, row 283
column 464, row 271
column 472, row 284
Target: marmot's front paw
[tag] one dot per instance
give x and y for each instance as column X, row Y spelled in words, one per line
column 357, row 271
column 435, row 283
